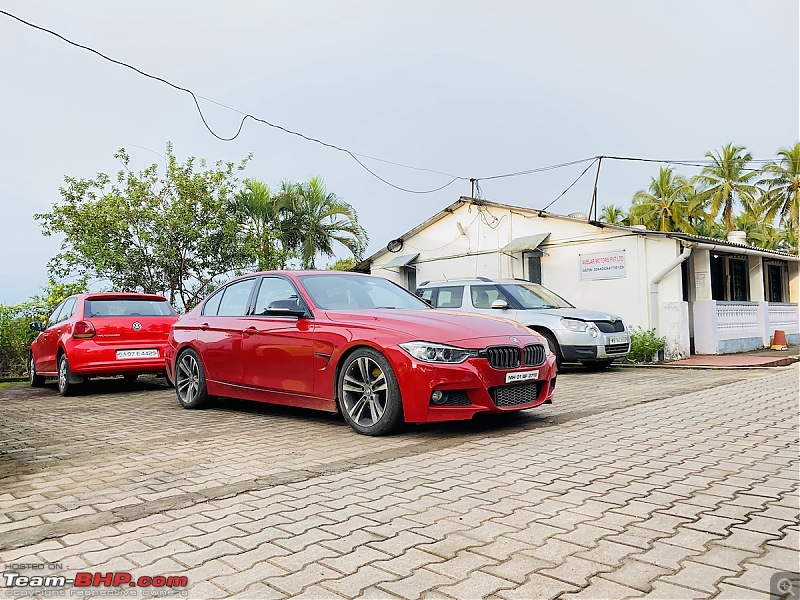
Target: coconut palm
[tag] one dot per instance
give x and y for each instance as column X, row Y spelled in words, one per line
column 613, row 215
column 760, row 232
column 319, row 220
column 783, row 188
column 664, row 206
column 727, row 180
column 259, row 211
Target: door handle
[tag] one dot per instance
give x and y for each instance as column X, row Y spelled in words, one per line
column 204, row 326
column 250, row 331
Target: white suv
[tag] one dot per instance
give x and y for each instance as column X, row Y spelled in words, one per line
column 590, row 337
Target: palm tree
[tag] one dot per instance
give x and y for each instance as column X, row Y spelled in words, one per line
column 664, row 206
column 760, row 232
column 783, row 184
column 613, row 215
column 319, row 220
column 260, row 212
column 726, row 180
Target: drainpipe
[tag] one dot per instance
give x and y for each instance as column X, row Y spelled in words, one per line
column 687, row 250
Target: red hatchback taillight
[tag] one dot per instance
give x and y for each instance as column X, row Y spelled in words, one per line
column 83, row 329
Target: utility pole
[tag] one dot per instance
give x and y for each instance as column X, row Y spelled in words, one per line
column 593, row 207
column 472, row 181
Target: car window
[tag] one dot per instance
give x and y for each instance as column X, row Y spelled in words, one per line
column 127, row 307
column 54, row 317
column 234, row 299
column 211, row 305
column 274, row 289
column 532, row 295
column 450, row 297
column 68, row 310
column 483, row 295
column 426, row 294
column 358, row 292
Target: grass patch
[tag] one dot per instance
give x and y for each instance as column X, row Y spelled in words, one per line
column 6, row 384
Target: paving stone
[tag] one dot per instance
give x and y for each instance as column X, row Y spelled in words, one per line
column 413, row 587
column 537, row 586
column 698, row 576
column 638, row 575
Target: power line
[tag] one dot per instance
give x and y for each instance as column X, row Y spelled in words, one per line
column 539, row 169
column 573, row 183
column 244, row 118
column 354, row 155
column 705, row 162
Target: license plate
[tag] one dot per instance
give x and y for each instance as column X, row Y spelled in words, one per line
column 618, row 339
column 148, row 353
column 521, row 376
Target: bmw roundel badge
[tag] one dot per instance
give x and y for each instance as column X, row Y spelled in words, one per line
column 515, row 340
column 137, row 326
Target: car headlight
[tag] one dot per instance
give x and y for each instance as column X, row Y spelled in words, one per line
column 575, row 324
column 437, row 353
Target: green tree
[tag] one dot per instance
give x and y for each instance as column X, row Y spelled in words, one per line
column 613, row 215
column 727, row 180
column 664, row 205
column 317, row 219
column 783, row 188
column 260, row 213
column 344, row 264
column 16, row 336
column 760, row 231
column 171, row 235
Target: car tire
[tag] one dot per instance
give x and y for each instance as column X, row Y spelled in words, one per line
column 36, row 380
column 368, row 393
column 65, row 387
column 597, row 365
column 554, row 347
column 190, row 380
column 130, row 378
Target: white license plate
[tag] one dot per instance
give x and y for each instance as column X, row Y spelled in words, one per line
column 618, row 339
column 145, row 353
column 521, row 376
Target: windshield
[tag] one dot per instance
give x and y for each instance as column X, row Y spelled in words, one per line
column 533, row 295
column 127, row 308
column 354, row 292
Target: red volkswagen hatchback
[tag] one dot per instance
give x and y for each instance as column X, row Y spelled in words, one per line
column 357, row 344
column 102, row 334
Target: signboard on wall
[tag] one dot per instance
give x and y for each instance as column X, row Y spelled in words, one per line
column 602, row 265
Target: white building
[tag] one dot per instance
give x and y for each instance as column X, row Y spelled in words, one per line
column 706, row 296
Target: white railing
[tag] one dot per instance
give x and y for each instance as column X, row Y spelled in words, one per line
column 737, row 320
column 784, row 316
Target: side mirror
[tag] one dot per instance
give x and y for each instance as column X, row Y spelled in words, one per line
column 500, row 304
column 285, row 308
column 36, row 326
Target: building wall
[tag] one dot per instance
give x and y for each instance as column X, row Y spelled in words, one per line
column 446, row 253
column 466, row 243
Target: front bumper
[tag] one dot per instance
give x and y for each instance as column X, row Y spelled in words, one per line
column 582, row 346
column 475, row 379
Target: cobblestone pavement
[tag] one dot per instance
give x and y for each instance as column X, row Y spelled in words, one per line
column 663, row 483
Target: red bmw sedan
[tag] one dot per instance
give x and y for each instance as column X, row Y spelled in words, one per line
column 357, row 344
column 101, row 334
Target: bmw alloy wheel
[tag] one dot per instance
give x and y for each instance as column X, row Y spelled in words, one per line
column 365, row 392
column 190, row 381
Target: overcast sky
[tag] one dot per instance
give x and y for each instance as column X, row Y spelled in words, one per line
column 468, row 88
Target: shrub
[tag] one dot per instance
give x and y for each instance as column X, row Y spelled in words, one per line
column 645, row 344
column 15, row 339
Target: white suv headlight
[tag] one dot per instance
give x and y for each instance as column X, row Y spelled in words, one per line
column 437, row 353
column 574, row 324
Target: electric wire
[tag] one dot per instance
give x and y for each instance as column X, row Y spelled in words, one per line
column 572, row 184
column 244, row 118
column 355, row 155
